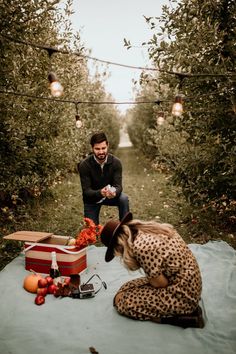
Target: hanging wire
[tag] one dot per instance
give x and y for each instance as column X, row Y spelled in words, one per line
column 70, row 52
column 102, row 102
column 75, row 102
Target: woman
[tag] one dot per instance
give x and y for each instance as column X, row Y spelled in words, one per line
column 171, row 289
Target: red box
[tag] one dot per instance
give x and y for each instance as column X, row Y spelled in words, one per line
column 69, row 259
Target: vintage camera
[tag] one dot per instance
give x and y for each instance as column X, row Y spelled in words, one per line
column 84, row 291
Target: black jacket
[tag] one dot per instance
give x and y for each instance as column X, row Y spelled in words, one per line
column 93, row 178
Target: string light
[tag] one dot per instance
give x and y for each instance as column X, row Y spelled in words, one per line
column 160, row 118
column 78, row 122
column 177, row 109
column 55, row 86
column 50, row 99
column 57, row 89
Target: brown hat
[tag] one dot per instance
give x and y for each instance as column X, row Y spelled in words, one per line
column 109, row 233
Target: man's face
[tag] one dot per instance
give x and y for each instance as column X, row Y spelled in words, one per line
column 100, row 150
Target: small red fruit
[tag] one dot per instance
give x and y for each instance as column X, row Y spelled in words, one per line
column 42, row 283
column 194, row 221
column 49, row 280
column 52, row 289
column 67, row 281
column 39, row 300
column 42, row 291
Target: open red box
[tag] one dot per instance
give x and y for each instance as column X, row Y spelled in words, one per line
column 38, row 247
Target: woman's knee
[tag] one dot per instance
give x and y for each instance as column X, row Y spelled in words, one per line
column 116, row 299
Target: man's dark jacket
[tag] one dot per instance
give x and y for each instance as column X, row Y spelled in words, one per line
column 93, row 178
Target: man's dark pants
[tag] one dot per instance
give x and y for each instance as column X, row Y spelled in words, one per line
column 92, row 211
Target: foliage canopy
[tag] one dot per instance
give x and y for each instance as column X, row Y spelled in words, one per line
column 39, row 142
column 195, row 37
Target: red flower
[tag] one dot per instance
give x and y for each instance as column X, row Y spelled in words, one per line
column 88, row 235
column 90, row 223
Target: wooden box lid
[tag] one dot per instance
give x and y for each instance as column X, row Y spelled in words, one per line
column 29, row 236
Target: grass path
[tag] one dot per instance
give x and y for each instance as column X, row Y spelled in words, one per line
column 151, row 197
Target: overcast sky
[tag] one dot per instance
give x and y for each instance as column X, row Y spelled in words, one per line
column 104, row 24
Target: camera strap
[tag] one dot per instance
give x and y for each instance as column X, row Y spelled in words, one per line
column 102, row 282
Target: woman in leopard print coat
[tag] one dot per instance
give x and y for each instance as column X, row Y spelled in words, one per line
column 171, row 284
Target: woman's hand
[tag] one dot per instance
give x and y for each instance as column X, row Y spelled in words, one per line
column 159, row 282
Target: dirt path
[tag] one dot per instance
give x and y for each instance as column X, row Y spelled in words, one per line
column 150, row 194
column 124, row 138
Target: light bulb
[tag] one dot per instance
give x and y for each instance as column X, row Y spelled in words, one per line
column 55, row 86
column 160, row 118
column 177, row 108
column 56, row 89
column 78, row 122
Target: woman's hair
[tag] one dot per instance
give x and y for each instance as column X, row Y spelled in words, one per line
column 128, row 233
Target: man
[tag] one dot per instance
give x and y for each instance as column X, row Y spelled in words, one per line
column 101, row 180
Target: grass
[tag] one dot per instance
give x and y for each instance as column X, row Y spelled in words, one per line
column 151, row 197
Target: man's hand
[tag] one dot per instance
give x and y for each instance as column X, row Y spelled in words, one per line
column 110, row 195
column 108, row 192
column 104, row 191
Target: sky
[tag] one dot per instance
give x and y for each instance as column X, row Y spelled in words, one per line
column 103, row 25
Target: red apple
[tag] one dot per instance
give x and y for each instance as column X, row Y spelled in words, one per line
column 52, row 289
column 67, row 281
column 49, row 280
column 194, row 221
column 42, row 291
column 42, row 283
column 39, row 300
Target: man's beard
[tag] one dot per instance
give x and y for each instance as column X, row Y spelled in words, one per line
column 101, row 157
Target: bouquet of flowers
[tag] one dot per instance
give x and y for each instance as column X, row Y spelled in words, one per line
column 87, row 236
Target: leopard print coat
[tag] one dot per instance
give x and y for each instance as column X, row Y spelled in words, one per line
column 172, row 257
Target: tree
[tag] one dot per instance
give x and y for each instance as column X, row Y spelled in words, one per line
column 38, row 138
column 199, row 37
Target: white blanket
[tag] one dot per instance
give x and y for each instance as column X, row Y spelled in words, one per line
column 71, row 326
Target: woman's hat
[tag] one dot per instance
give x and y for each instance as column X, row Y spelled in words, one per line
column 109, row 233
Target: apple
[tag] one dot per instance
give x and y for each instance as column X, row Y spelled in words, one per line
column 42, row 291
column 42, row 283
column 39, row 300
column 52, row 289
column 194, row 221
column 49, row 280
column 67, row 281
column 72, row 242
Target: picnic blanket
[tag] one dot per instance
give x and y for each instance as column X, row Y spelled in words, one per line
column 73, row 326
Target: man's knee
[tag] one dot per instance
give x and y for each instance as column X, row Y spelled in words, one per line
column 92, row 212
column 123, row 198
